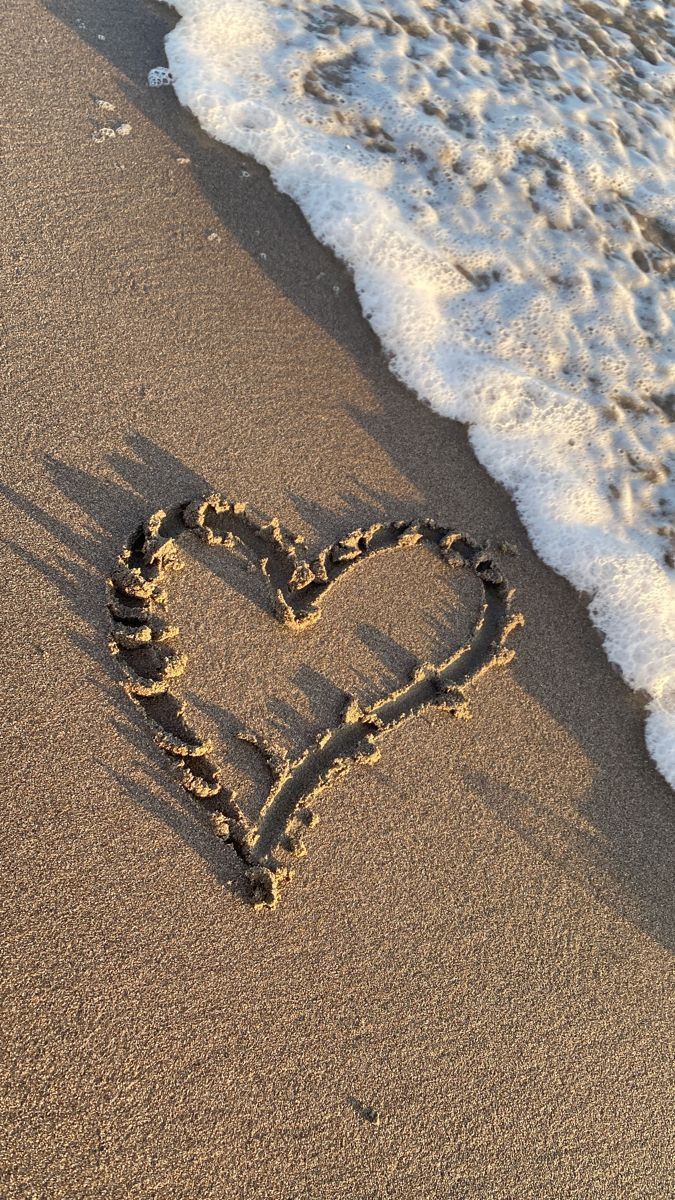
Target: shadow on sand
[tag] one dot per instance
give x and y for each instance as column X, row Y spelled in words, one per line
column 628, row 805
column 632, row 828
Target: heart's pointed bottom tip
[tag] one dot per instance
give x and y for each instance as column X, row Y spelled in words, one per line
column 263, row 884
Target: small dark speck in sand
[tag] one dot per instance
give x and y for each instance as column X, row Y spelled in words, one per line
column 364, row 1111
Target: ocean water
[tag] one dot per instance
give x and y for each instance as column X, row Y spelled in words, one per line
column 500, row 179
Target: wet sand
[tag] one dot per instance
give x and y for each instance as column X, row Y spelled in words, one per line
column 467, row 989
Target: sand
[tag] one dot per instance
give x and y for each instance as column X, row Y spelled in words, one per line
column 466, row 990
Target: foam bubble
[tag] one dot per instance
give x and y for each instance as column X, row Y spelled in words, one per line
column 159, row 77
column 499, row 179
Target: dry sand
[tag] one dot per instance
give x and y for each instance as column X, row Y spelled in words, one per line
column 467, row 990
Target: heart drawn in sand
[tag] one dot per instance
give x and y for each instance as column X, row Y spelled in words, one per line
column 145, row 643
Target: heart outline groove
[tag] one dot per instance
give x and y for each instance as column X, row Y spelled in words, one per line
column 143, row 641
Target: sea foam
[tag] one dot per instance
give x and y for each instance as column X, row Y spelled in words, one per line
column 499, row 178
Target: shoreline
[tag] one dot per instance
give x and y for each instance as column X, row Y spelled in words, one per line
column 477, row 947
column 588, row 476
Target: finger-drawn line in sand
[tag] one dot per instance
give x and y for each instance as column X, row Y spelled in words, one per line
column 145, row 643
